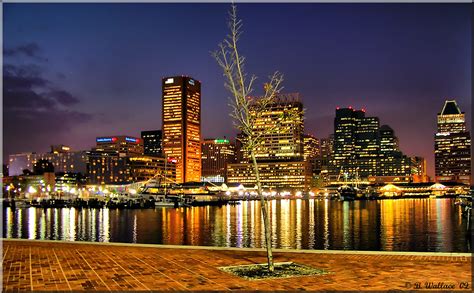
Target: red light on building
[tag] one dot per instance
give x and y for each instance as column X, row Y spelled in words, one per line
column 337, row 108
column 363, row 110
column 114, row 139
column 350, row 107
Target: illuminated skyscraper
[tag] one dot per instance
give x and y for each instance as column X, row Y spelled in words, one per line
column 311, row 147
column 355, row 143
column 418, row 169
column 216, row 154
column 152, row 142
column 452, row 145
column 282, row 133
column 366, row 145
column 182, row 126
column 392, row 162
column 281, row 152
column 327, row 150
column 363, row 148
column 312, row 153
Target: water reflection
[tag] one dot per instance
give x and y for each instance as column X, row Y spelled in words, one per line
column 401, row 225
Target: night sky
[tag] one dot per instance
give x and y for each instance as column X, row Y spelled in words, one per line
column 76, row 71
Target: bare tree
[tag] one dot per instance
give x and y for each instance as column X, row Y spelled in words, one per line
column 247, row 110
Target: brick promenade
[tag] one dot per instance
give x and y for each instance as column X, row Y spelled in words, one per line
column 41, row 266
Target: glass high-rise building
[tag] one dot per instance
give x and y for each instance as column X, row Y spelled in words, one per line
column 392, row 162
column 356, row 144
column 152, row 142
column 181, row 104
column 281, row 151
column 362, row 148
column 281, row 132
column 312, row 148
column 216, row 154
column 452, row 145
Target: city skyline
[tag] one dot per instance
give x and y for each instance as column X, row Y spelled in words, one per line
column 69, row 78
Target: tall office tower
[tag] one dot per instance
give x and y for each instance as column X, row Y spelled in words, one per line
column 182, row 126
column 325, row 158
column 312, row 153
column 344, row 129
column 216, row 155
column 418, row 169
column 392, row 162
column 452, row 145
column 363, row 148
column 240, row 154
column 355, row 143
column 281, row 153
column 312, row 148
column 366, row 144
column 152, row 142
column 388, row 140
column 281, row 127
column 327, row 149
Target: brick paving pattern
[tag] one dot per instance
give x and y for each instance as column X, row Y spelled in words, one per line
column 47, row 266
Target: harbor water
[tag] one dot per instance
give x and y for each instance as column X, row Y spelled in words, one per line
column 385, row 225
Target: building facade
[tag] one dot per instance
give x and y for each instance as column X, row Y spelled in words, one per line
column 152, row 143
column 107, row 168
column 278, row 175
column 312, row 148
column 280, row 155
column 364, row 149
column 181, row 104
column 452, row 145
column 112, row 168
column 216, row 155
column 143, row 168
column 392, row 162
column 355, row 143
column 62, row 158
column 323, row 163
column 418, row 169
column 125, row 145
column 108, row 160
column 280, row 126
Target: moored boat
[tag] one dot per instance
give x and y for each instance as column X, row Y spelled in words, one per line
column 347, row 192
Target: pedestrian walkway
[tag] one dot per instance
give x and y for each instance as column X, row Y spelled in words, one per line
column 55, row 265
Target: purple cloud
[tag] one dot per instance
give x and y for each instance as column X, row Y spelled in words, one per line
column 63, row 97
column 31, row 50
column 35, row 110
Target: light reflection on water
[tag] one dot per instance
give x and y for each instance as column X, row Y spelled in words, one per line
column 400, row 225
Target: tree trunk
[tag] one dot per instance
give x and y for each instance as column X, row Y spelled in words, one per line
column 266, row 220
